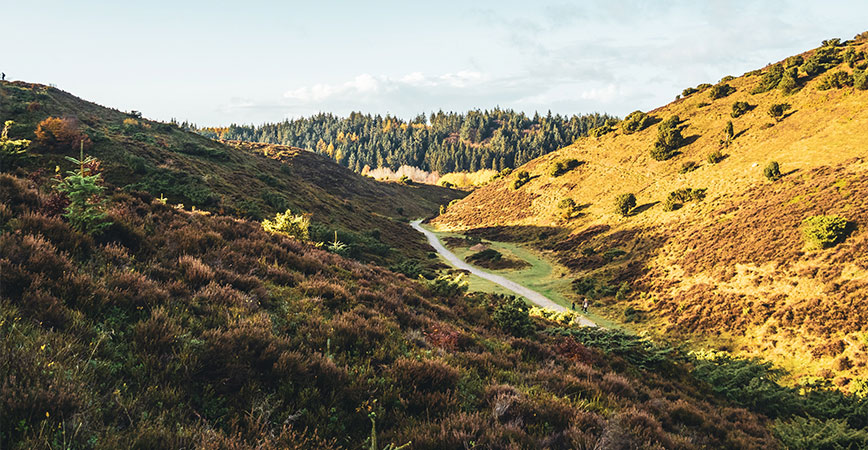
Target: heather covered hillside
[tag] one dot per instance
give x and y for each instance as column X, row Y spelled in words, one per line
column 250, row 181
column 737, row 213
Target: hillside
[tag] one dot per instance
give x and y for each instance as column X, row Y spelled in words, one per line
column 732, row 270
column 252, row 181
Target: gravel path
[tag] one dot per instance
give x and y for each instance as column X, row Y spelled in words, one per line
column 534, row 296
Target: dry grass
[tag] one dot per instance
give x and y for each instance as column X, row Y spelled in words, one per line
column 732, row 268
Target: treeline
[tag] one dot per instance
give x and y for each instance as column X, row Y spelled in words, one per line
column 442, row 142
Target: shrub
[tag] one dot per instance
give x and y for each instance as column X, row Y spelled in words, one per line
column 777, row 110
column 794, row 61
column 11, row 149
column 635, row 121
column 728, row 134
column 720, row 90
column 521, row 178
column 448, row 286
column 824, row 231
column 739, row 109
column 772, row 171
column 625, row 203
column 60, row 134
column 860, row 79
column 561, row 167
column 669, row 139
column 511, row 315
column 600, row 130
column 809, row 433
column 715, row 157
column 569, row 208
column 678, row 197
column 789, row 83
column 687, row 92
column 835, row 80
column 297, row 226
column 86, row 210
column 769, row 80
column 688, row 166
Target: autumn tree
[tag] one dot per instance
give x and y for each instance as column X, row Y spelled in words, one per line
column 58, row 134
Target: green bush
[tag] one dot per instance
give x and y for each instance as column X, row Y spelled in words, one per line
column 625, row 203
column 720, row 90
column 569, row 208
column 669, row 139
column 511, row 315
column 448, row 285
column 635, row 121
column 678, row 197
column 600, row 130
column 86, row 210
column 739, row 109
column 801, row 433
column 688, row 166
column 789, row 83
column 824, row 231
column 11, row 150
column 860, row 79
column 777, row 110
column 769, row 80
column 521, row 178
column 794, row 61
column 835, row 80
column 561, row 167
column 288, row 224
column 772, row 171
column 687, row 92
column 715, row 157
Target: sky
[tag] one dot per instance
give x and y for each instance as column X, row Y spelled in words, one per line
column 216, row 63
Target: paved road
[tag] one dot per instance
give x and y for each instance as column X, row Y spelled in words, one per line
column 534, row 296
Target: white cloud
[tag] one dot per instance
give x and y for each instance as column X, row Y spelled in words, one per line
column 366, row 85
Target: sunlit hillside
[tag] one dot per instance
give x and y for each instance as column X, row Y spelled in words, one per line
column 731, row 269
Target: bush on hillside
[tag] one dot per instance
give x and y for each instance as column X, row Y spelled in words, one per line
column 824, row 231
column 289, row 224
column 808, row 433
column 740, row 108
column 625, row 203
column 687, row 92
column 777, row 110
column 11, row 149
column 678, row 197
column 561, row 167
column 83, row 187
column 60, row 135
column 835, row 80
column 669, row 139
column 728, row 134
column 720, row 90
column 635, row 121
column 521, row 178
column 511, row 315
column 449, row 285
column 789, row 83
column 600, row 130
column 715, row 157
column 794, row 61
column 772, row 171
column 860, row 79
column 688, row 166
column 769, row 80
column 569, row 208
column 821, row 60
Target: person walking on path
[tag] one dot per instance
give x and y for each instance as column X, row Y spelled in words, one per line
column 574, row 306
column 585, row 306
column 2, row 76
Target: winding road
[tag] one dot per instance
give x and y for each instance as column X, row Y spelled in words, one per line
column 534, row 296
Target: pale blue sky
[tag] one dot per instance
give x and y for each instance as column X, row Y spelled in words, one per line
column 215, row 62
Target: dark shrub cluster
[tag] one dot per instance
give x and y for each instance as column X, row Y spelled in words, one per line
column 669, row 139
column 559, row 168
column 635, row 121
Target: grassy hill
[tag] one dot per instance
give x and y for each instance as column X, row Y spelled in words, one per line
column 246, row 180
column 731, row 270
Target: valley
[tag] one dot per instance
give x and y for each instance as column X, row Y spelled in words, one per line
column 164, row 285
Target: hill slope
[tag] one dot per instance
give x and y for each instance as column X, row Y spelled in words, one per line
column 160, row 158
column 731, row 269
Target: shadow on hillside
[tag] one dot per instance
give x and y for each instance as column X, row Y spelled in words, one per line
column 789, row 173
column 520, row 233
column 736, row 135
column 690, row 139
column 642, row 208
